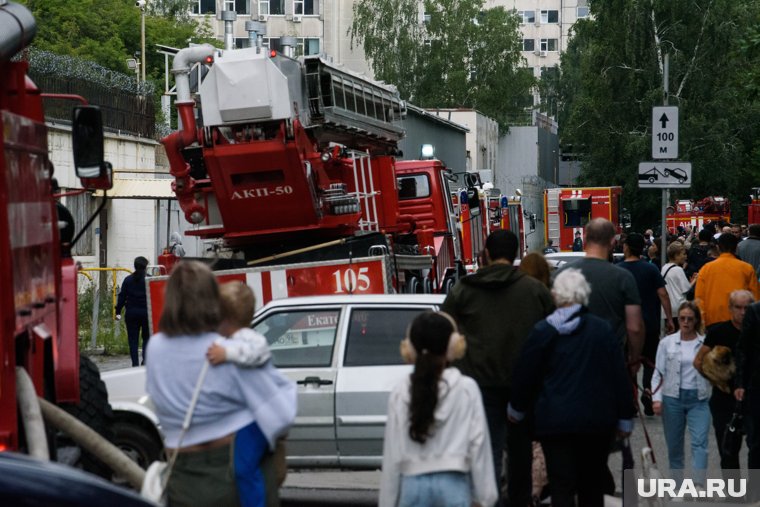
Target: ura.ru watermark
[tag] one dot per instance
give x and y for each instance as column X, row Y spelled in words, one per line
column 688, row 489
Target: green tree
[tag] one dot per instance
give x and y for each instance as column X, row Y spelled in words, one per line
column 448, row 53
column 612, row 76
column 108, row 31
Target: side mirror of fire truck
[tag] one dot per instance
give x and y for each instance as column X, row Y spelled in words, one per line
column 87, row 141
column 473, row 201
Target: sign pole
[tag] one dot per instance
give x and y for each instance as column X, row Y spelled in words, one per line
column 664, row 232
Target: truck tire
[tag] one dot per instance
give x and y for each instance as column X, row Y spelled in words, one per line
column 94, row 411
column 140, row 443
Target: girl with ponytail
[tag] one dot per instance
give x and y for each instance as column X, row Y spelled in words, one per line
column 437, row 449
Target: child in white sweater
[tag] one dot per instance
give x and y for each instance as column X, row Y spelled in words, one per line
column 248, row 349
column 437, row 449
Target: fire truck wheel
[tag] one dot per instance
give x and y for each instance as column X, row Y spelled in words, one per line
column 140, row 443
column 448, row 284
column 94, row 411
column 413, row 285
column 427, row 286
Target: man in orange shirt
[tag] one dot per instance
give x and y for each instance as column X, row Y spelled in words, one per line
column 717, row 279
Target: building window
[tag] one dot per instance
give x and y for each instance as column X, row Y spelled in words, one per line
column 204, row 6
column 549, row 17
column 582, row 12
column 304, row 7
column 304, row 45
column 239, row 6
column 526, row 17
column 529, row 44
column 272, row 7
column 549, row 45
column 307, row 46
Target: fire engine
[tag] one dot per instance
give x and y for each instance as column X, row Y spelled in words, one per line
column 697, row 213
column 38, row 333
column 283, row 160
column 568, row 210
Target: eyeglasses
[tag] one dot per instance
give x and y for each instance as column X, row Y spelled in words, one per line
column 686, row 319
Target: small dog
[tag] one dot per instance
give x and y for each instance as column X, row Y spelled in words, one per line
column 719, row 368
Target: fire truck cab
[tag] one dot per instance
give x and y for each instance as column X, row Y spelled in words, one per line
column 568, row 210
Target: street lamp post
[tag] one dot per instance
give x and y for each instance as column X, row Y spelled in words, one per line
column 141, row 4
column 142, row 39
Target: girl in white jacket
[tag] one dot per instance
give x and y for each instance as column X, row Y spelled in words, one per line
column 437, row 449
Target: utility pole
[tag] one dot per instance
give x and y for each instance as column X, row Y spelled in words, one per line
column 665, row 191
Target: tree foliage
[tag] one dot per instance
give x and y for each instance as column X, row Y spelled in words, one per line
column 108, row 31
column 612, row 76
column 447, row 53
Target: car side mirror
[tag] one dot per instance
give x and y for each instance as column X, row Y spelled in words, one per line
column 87, row 142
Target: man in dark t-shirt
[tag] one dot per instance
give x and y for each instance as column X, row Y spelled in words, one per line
column 722, row 404
column 652, row 291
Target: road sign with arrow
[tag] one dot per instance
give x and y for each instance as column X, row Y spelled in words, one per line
column 664, row 175
column 664, row 132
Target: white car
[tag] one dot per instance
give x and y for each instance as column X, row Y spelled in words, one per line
column 343, row 353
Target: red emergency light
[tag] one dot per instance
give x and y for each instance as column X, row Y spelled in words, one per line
column 273, row 53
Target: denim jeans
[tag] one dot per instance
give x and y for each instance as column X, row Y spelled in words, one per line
column 440, row 489
column 677, row 413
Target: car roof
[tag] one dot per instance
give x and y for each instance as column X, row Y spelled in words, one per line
column 342, row 299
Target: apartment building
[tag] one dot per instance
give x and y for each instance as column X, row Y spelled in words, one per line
column 320, row 26
column 545, row 26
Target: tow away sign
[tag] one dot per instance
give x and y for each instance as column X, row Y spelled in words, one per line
column 665, row 175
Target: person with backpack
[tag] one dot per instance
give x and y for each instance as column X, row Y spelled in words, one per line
column 676, row 283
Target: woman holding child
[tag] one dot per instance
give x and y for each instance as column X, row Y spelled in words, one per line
column 249, row 405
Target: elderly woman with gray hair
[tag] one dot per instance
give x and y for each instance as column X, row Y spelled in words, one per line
column 572, row 374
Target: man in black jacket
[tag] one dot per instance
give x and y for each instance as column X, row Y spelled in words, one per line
column 132, row 296
column 496, row 308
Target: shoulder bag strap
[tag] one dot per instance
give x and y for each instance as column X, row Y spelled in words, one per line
column 668, row 271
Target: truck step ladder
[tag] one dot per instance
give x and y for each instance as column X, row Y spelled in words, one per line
column 365, row 190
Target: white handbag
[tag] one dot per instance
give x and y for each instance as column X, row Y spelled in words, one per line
column 157, row 475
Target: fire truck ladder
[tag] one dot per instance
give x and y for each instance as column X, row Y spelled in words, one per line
column 365, row 190
column 552, row 212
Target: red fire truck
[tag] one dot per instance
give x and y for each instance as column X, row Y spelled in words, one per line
column 753, row 210
column 698, row 213
column 283, row 160
column 38, row 332
column 568, row 210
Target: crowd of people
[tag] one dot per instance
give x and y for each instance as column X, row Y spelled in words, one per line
column 517, row 356
column 557, row 360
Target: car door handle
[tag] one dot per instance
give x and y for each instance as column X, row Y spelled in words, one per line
column 314, row 380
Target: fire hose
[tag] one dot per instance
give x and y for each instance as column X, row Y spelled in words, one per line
column 80, row 433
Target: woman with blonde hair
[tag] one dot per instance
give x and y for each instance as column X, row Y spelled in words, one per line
column 683, row 398
column 230, row 398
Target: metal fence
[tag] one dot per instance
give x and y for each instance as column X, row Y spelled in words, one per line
column 122, row 110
